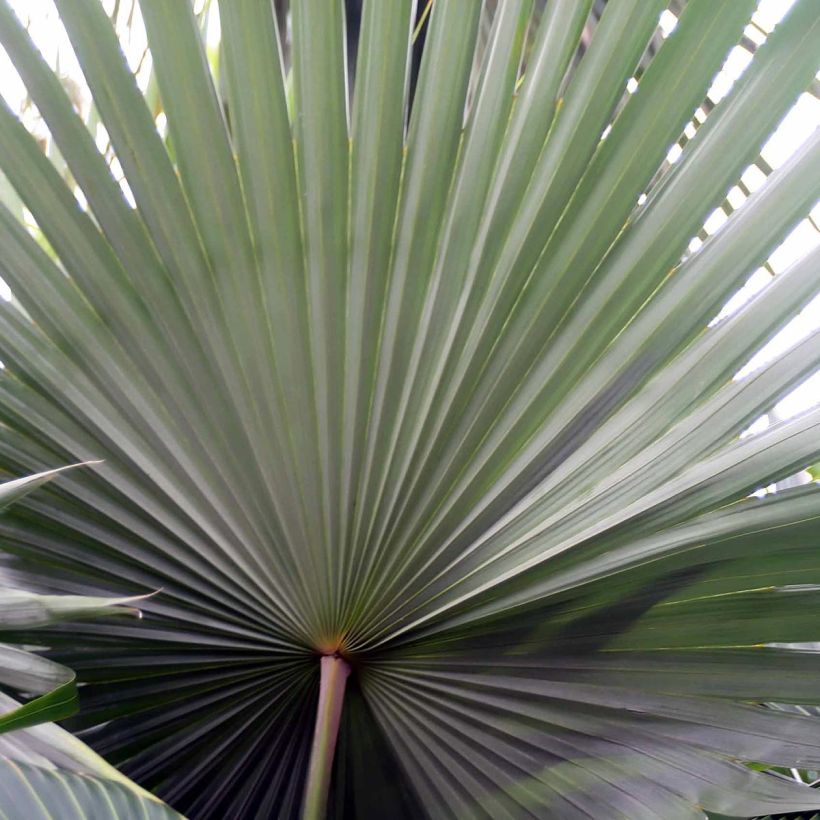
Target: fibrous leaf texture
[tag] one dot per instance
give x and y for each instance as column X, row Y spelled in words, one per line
column 385, row 364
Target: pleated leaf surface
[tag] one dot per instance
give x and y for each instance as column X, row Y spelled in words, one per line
column 404, row 356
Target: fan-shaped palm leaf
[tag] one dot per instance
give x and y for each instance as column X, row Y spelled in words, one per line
column 434, row 410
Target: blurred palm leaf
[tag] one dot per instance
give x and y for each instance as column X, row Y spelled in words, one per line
column 431, row 394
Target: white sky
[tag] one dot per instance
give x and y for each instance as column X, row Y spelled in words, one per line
column 795, row 128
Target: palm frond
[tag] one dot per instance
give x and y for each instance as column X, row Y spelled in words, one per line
column 397, row 372
column 21, row 610
column 46, row 772
column 43, row 769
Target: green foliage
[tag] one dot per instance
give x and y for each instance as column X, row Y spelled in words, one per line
column 20, row 611
column 417, row 383
column 44, row 771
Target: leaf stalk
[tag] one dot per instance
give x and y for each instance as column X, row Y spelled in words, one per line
column 334, row 672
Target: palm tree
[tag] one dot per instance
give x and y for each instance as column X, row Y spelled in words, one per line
column 411, row 412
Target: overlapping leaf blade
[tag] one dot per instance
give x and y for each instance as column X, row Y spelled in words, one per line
column 46, row 773
column 20, row 610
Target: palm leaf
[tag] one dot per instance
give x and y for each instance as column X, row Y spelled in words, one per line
column 21, row 610
column 45, row 772
column 413, row 413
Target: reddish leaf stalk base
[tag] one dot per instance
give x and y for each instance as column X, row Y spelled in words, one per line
column 334, row 672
